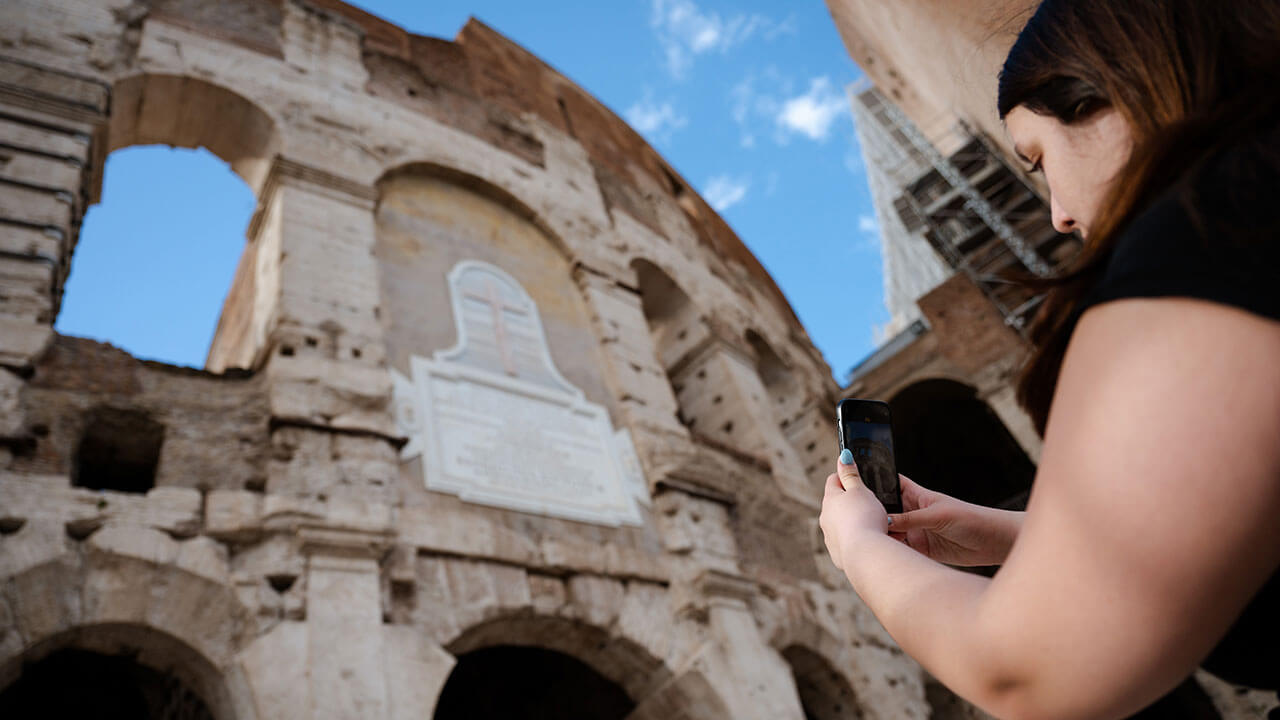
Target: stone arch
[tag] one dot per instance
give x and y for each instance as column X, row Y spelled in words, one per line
column 652, row 686
column 825, row 694
column 821, row 664
column 677, row 324
column 949, row 439
column 189, row 112
column 184, row 111
column 428, row 218
column 480, row 186
column 802, row 417
column 186, row 626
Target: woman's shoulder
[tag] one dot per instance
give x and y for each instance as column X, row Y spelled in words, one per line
column 1215, row 235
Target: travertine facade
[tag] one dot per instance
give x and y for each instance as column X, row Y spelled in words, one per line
column 248, row 542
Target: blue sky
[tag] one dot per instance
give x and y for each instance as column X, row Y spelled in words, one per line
column 745, row 99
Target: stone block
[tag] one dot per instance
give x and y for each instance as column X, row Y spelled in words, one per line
column 323, row 392
column 276, row 667
column 234, row 515
column 40, row 540
column 595, row 599
column 22, row 339
column 141, row 543
column 205, row 557
column 47, row 599
column 416, row 671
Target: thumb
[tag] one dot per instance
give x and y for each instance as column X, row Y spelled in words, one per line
column 922, row 519
column 848, row 471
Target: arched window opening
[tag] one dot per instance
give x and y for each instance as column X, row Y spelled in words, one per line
column 156, row 257
column 824, row 694
column 947, row 439
column 529, row 682
column 74, row 683
column 678, row 332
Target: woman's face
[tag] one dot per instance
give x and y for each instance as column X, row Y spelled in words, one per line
column 1080, row 161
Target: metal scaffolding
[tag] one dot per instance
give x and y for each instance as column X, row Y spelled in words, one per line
column 976, row 212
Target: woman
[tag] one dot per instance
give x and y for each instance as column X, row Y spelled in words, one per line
column 1154, row 520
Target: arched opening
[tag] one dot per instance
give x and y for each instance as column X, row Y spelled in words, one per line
column 678, row 330
column 806, row 426
column 74, row 683
column 506, row 681
column 156, row 257
column 824, row 693
column 947, row 439
column 674, row 321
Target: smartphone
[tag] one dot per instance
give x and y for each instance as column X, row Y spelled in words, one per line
column 864, row 429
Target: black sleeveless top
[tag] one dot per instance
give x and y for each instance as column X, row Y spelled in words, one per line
column 1215, row 237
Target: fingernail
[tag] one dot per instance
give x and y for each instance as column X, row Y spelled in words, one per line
column 846, row 457
column 890, row 519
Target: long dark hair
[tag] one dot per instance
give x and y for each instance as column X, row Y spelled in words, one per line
column 1191, row 77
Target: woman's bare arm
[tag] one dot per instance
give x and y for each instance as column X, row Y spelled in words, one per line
column 1152, row 522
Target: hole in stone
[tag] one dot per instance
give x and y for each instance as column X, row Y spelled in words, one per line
column 682, row 334
column 727, row 427
column 81, row 529
column 810, row 446
column 411, row 92
column 702, row 374
column 286, row 350
column 312, row 342
column 118, row 451
column 281, row 582
column 40, row 430
column 11, row 525
column 717, row 400
column 255, row 484
column 355, row 352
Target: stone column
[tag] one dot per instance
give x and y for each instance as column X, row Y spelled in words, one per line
column 346, row 672
column 753, row 679
column 724, row 400
column 632, row 368
column 52, row 128
column 310, row 317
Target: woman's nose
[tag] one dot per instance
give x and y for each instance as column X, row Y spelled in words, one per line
column 1062, row 222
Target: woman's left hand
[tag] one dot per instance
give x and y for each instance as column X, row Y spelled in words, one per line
column 849, row 509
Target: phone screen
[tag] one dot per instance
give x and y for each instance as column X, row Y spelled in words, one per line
column 872, row 448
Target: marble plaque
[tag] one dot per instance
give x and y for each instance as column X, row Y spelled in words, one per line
column 496, row 423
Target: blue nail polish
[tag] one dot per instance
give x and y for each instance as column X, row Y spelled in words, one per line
column 846, row 457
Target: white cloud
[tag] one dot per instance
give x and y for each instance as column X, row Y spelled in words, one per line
column 813, row 113
column 868, row 239
column 751, row 108
column 655, row 119
column 685, row 31
column 724, row 191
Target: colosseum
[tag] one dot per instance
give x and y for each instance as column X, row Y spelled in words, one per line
column 500, row 416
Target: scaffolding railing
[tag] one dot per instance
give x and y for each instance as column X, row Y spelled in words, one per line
column 964, row 203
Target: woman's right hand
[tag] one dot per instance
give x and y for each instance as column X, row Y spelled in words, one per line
column 953, row 531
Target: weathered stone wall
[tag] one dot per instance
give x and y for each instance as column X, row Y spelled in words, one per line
column 286, row 563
